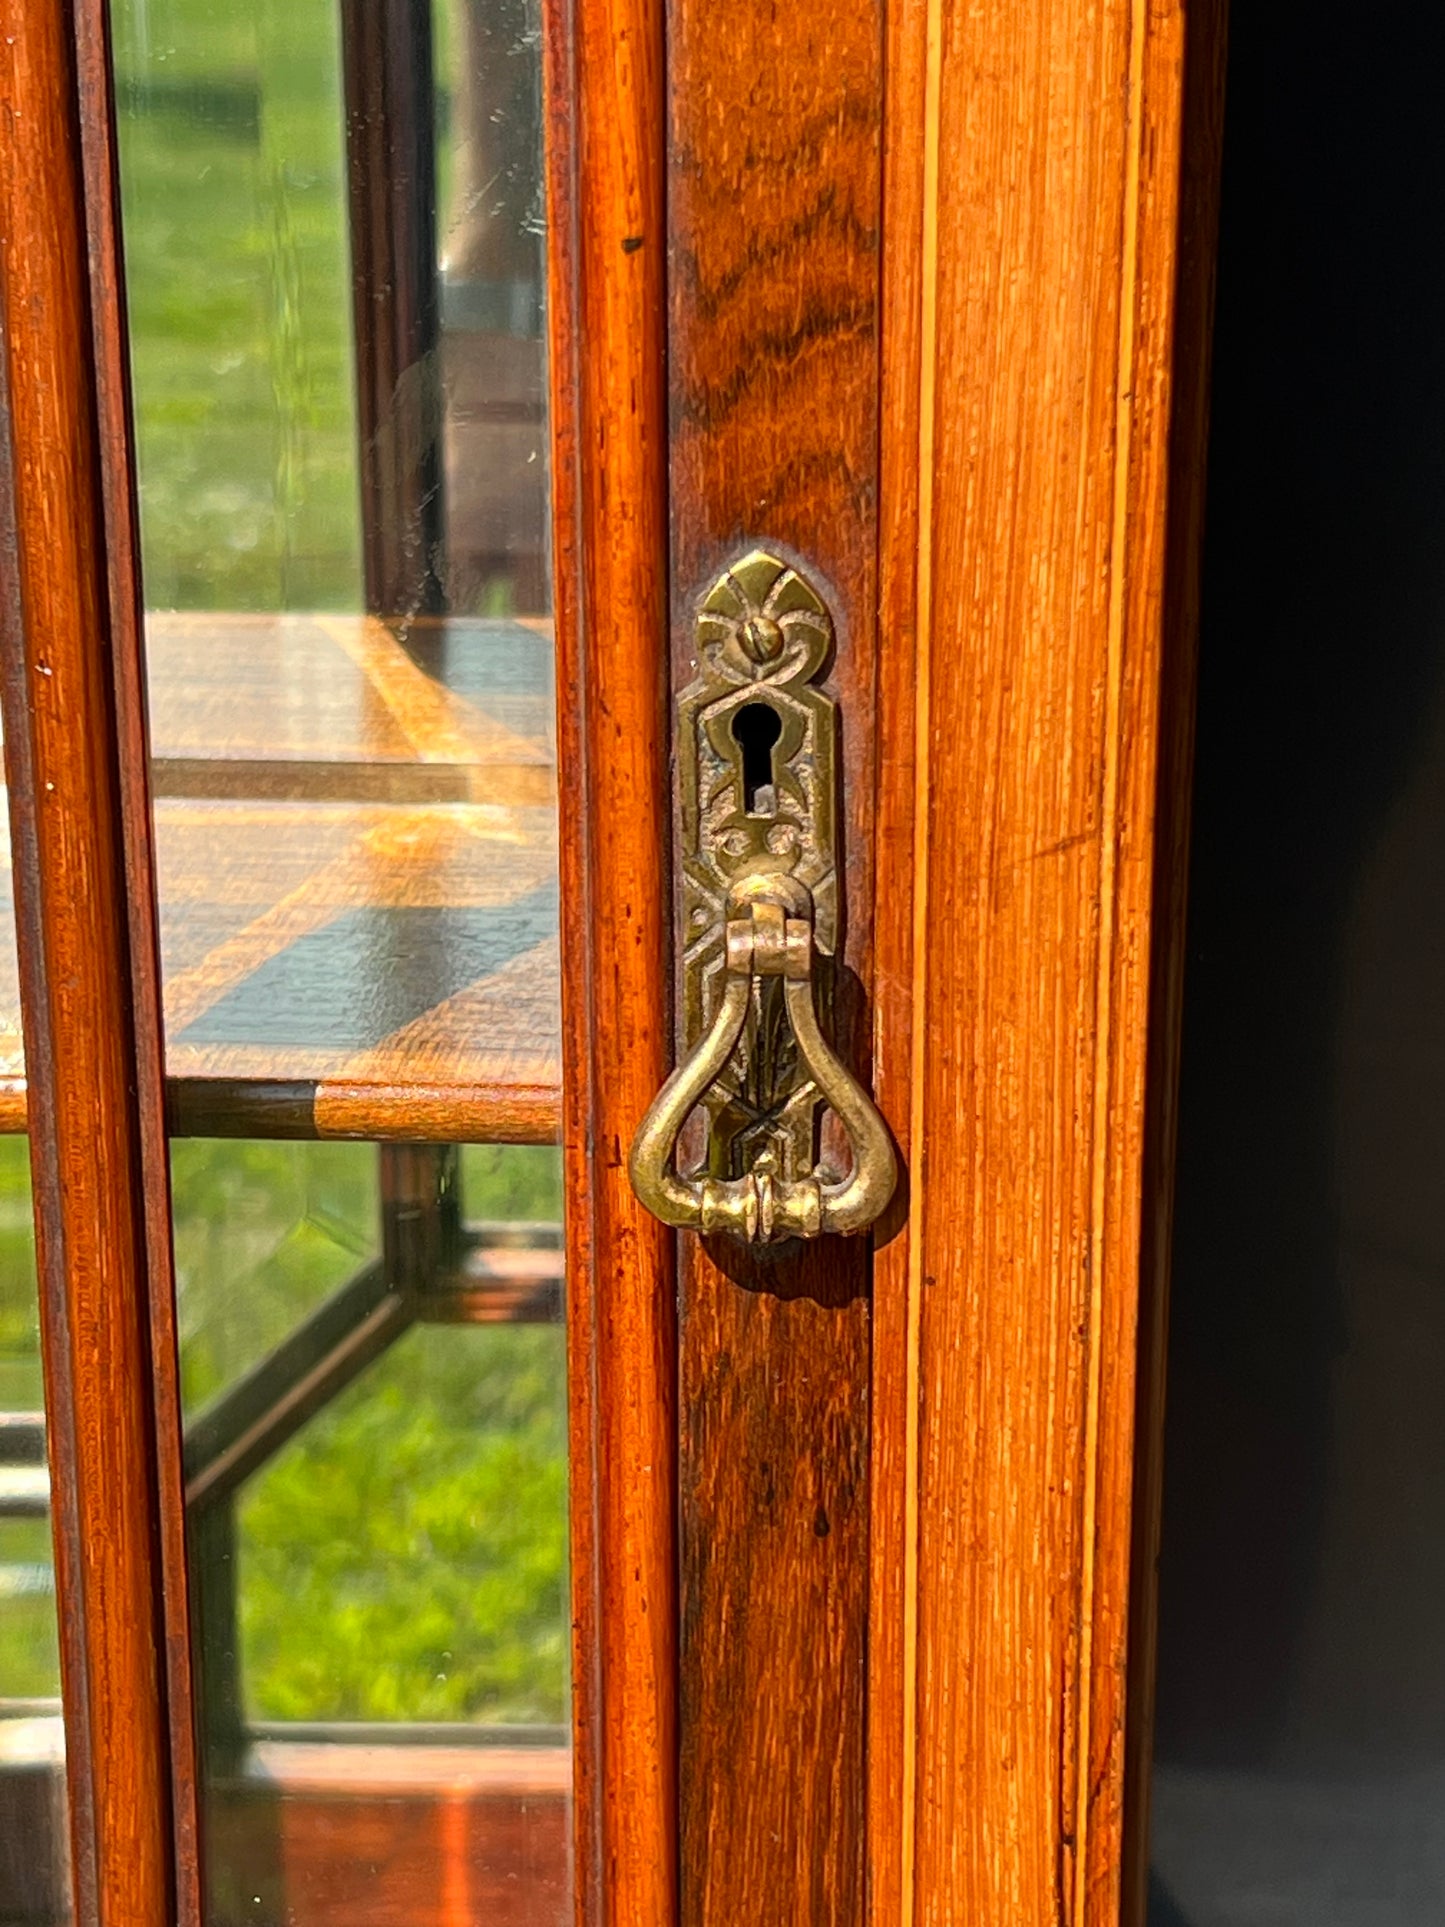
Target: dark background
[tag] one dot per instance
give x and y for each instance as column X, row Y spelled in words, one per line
column 1301, row 1725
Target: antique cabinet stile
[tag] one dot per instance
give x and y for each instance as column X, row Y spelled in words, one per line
column 1051, row 192
column 774, row 231
column 608, row 342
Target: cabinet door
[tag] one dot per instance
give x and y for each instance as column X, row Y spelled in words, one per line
column 407, row 402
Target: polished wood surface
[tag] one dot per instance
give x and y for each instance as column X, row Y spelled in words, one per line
column 1034, row 239
column 355, row 1830
column 70, row 683
column 337, row 708
column 347, row 708
column 607, row 351
column 774, row 216
column 118, row 490
column 356, row 844
column 340, row 1834
column 907, row 348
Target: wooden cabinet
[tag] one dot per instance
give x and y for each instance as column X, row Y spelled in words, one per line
column 860, row 1529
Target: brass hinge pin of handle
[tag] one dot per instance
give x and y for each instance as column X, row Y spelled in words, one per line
column 757, row 767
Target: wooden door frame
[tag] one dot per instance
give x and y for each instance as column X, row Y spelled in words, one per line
column 1029, row 277
column 607, row 347
column 72, row 685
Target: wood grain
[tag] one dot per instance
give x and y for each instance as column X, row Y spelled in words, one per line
column 349, row 708
column 97, row 1164
column 774, row 215
column 1029, row 362
column 606, row 319
column 120, row 508
column 905, row 605
column 341, row 958
column 366, row 1835
column 346, row 970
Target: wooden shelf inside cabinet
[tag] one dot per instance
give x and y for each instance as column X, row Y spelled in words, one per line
column 356, row 848
column 399, row 1826
column 402, row 1836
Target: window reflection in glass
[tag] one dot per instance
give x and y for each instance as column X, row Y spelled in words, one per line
column 237, row 284
column 264, row 1232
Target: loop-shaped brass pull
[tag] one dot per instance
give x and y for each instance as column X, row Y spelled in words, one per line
column 765, row 1205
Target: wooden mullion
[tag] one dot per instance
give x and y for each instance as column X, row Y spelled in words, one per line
column 604, row 122
column 269, row 1404
column 386, row 57
column 72, row 686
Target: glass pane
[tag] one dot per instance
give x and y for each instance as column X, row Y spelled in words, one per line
column 263, row 1233
column 34, row 1872
column 493, row 373
column 237, row 281
column 405, row 1558
column 513, row 1181
column 380, row 1584
column 29, row 1656
column 340, row 398
column 334, row 267
column 20, row 1386
column 1300, row 1776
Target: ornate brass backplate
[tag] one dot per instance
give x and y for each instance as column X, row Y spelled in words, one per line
column 757, row 774
column 763, row 633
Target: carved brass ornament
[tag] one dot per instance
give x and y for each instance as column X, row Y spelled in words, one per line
column 757, row 772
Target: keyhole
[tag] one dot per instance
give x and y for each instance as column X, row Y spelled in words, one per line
column 756, row 727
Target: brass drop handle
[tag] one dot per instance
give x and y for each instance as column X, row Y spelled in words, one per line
column 765, row 940
column 757, row 770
